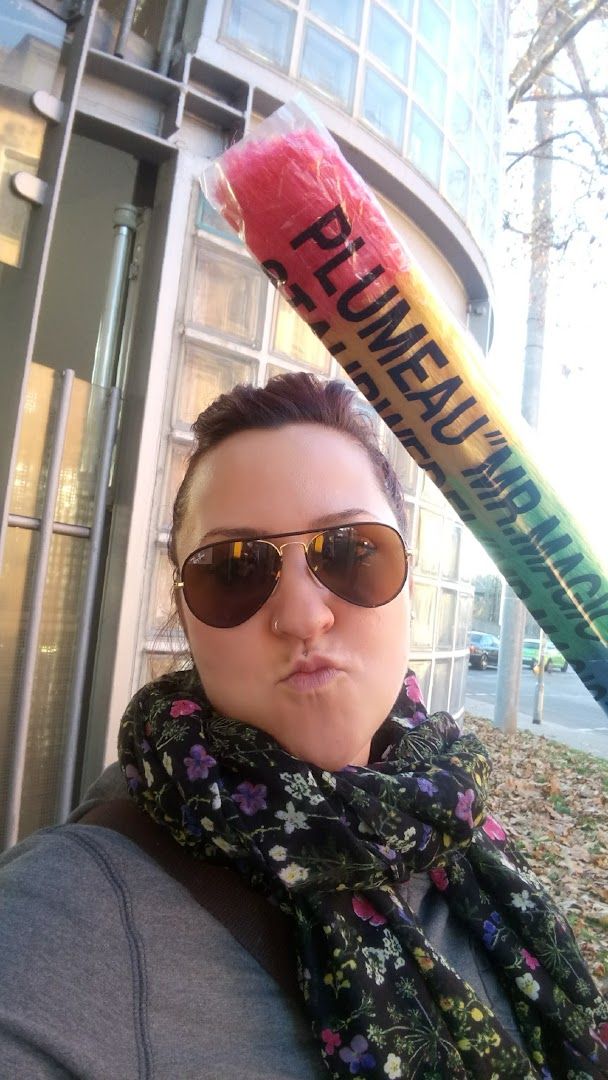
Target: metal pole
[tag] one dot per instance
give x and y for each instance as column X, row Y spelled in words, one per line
column 509, row 661
column 539, row 693
column 125, row 28
column 125, row 224
column 30, row 650
column 167, row 38
column 86, row 617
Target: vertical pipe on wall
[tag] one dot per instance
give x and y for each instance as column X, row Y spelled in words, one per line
column 30, row 649
column 125, row 27
column 106, row 354
column 73, row 717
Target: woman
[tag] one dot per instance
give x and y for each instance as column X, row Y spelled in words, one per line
column 296, row 753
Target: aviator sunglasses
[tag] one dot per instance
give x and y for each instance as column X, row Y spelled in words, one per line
column 226, row 582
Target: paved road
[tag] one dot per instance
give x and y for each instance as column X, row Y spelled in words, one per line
column 570, row 714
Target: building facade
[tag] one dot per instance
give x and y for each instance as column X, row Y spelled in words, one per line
column 127, row 305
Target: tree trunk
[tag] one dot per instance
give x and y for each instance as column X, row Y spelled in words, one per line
column 513, row 611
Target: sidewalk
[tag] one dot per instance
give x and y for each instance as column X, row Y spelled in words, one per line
column 591, row 740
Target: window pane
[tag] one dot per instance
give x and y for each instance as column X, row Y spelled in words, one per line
column 484, row 105
column 446, row 618
column 466, row 23
column 402, row 7
column 457, row 182
column 295, row 339
column 208, row 218
column 30, row 45
column 227, row 296
column 430, row 84
column 338, row 15
column 423, row 608
column 458, row 685
column 463, row 67
column 434, row 28
column 428, row 544
column 174, row 474
column 263, row 27
column 441, row 684
column 389, row 42
column 329, row 66
column 480, row 155
column 426, row 143
column 405, row 466
column 452, row 534
column 384, row 106
column 465, row 616
column 461, row 124
column 204, row 377
column 422, row 670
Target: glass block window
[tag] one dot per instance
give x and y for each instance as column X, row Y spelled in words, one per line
column 450, row 559
column 174, row 474
column 463, row 71
column 446, row 618
column 208, row 218
column 460, row 122
column 430, row 85
column 329, row 66
column 484, row 105
column 423, row 609
column 434, row 29
column 429, row 542
column 262, row 27
column 389, row 42
column 404, row 8
column 457, row 179
column 295, row 340
column 204, row 376
column 422, row 668
column 465, row 615
column 466, row 23
column 227, row 295
column 383, row 105
column 441, row 684
column 459, row 676
column 425, row 145
column 339, row 15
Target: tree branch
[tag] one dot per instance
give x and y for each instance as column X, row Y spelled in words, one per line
column 596, row 117
column 577, row 95
column 551, row 37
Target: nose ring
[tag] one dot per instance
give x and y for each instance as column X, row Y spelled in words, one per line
column 275, row 625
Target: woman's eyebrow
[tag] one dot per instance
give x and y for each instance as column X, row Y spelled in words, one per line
column 335, row 518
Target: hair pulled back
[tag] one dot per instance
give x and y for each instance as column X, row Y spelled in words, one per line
column 291, row 398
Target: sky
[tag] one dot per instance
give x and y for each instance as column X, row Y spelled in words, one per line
column 573, row 424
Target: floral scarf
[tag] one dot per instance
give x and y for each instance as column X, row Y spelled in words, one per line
column 332, row 849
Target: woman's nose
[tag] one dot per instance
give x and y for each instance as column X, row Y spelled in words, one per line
column 300, row 605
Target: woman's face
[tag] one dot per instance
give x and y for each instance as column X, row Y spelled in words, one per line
column 301, row 476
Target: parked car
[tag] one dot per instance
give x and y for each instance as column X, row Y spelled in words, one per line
column 553, row 658
column 483, row 650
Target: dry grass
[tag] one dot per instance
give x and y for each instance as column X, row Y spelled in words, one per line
column 555, row 801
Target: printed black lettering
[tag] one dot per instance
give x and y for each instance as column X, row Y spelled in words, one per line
column 529, row 494
column 360, row 286
column 490, row 465
column 413, row 363
column 321, row 233
column 322, row 274
column 319, row 328
column 275, row 271
column 297, row 297
column 437, row 397
column 438, row 429
column 384, row 327
column 337, row 348
column 353, row 366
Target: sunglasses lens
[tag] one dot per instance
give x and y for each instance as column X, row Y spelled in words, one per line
column 364, row 564
column 226, row 583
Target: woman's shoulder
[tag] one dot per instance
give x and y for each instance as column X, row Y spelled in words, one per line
column 89, row 923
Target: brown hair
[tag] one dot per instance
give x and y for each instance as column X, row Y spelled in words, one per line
column 292, row 398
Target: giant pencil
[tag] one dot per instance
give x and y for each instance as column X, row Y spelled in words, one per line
column 324, row 240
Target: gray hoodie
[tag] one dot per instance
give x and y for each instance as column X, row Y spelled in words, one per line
column 110, row 970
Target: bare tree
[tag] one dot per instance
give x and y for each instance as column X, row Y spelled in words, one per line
column 568, row 127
